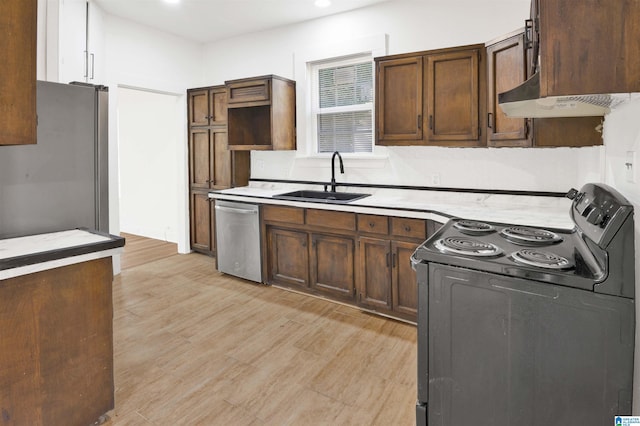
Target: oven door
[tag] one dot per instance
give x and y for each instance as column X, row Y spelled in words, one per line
column 507, row 351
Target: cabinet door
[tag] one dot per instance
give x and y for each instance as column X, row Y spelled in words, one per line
column 404, row 282
column 288, row 258
column 198, row 107
column 374, row 279
column 221, row 159
column 250, row 90
column 201, row 222
column 200, row 158
column 567, row 131
column 453, row 94
column 218, row 106
column 506, row 69
column 601, row 57
column 399, row 101
column 95, row 44
column 18, row 72
column 332, row 265
column 74, row 56
column 240, row 167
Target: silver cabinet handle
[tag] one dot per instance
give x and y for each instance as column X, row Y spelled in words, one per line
column 93, row 66
column 232, row 210
column 86, row 64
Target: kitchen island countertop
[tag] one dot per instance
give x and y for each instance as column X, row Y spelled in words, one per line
column 35, row 253
column 541, row 211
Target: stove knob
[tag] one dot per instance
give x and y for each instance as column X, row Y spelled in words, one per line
column 595, row 215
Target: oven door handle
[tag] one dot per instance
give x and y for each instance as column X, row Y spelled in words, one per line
column 414, row 261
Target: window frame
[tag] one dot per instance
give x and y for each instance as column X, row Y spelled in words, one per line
column 333, row 45
column 314, row 98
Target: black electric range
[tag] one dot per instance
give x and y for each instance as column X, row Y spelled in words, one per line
column 555, row 256
column 528, row 325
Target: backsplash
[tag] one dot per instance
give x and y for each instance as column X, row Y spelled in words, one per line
column 526, row 169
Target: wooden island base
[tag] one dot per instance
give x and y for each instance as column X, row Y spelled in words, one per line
column 56, row 345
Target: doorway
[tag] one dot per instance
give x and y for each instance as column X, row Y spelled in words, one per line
column 151, row 149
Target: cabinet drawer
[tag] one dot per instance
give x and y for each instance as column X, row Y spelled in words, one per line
column 331, row 219
column 283, row 214
column 411, row 228
column 248, row 91
column 374, row 224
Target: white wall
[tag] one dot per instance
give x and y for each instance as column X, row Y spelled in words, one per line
column 412, row 25
column 409, row 26
column 622, row 134
column 148, row 142
column 140, row 57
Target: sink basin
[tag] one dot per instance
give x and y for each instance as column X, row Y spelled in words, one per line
column 321, row 196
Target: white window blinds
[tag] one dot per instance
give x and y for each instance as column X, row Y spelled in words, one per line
column 344, row 107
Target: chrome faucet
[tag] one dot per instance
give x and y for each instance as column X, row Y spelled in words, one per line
column 333, row 170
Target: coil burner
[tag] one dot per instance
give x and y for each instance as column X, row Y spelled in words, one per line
column 541, row 259
column 472, row 227
column 523, row 235
column 467, row 247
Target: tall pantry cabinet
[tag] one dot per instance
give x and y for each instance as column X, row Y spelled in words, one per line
column 211, row 164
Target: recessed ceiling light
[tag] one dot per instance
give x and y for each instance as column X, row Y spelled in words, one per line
column 322, row 3
column 172, row 1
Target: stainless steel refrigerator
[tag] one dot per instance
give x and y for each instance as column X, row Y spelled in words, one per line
column 62, row 181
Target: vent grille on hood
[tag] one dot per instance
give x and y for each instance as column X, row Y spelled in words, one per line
column 525, row 101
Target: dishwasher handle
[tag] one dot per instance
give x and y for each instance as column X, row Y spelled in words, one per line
column 232, row 210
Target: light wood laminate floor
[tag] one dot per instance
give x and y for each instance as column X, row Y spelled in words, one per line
column 196, row 347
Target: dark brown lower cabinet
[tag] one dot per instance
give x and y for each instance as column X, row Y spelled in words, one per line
column 56, row 345
column 387, row 283
column 332, row 265
column 354, row 258
column 288, row 258
column 375, row 273
column 404, row 285
column 202, row 222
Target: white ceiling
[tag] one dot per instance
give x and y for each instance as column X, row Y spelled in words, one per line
column 211, row 20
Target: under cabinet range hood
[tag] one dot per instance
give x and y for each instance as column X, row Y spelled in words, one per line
column 524, row 101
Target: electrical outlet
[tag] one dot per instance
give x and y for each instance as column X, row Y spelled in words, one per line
column 630, row 167
column 435, row 179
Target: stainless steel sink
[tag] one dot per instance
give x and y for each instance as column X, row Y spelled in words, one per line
column 321, row 196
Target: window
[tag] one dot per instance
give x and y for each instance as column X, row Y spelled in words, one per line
column 342, row 105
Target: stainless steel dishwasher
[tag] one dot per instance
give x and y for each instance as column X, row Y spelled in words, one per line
column 238, row 239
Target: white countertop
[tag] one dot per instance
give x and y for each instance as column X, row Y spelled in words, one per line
column 547, row 212
column 51, row 242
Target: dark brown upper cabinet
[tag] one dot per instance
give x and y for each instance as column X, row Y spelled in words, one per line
column 261, row 113
column 431, row 98
column 506, row 69
column 18, row 121
column 399, row 107
column 508, row 65
column 587, row 47
column 208, row 106
column 455, row 93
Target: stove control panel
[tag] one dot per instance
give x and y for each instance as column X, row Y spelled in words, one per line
column 594, row 215
column 599, row 211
